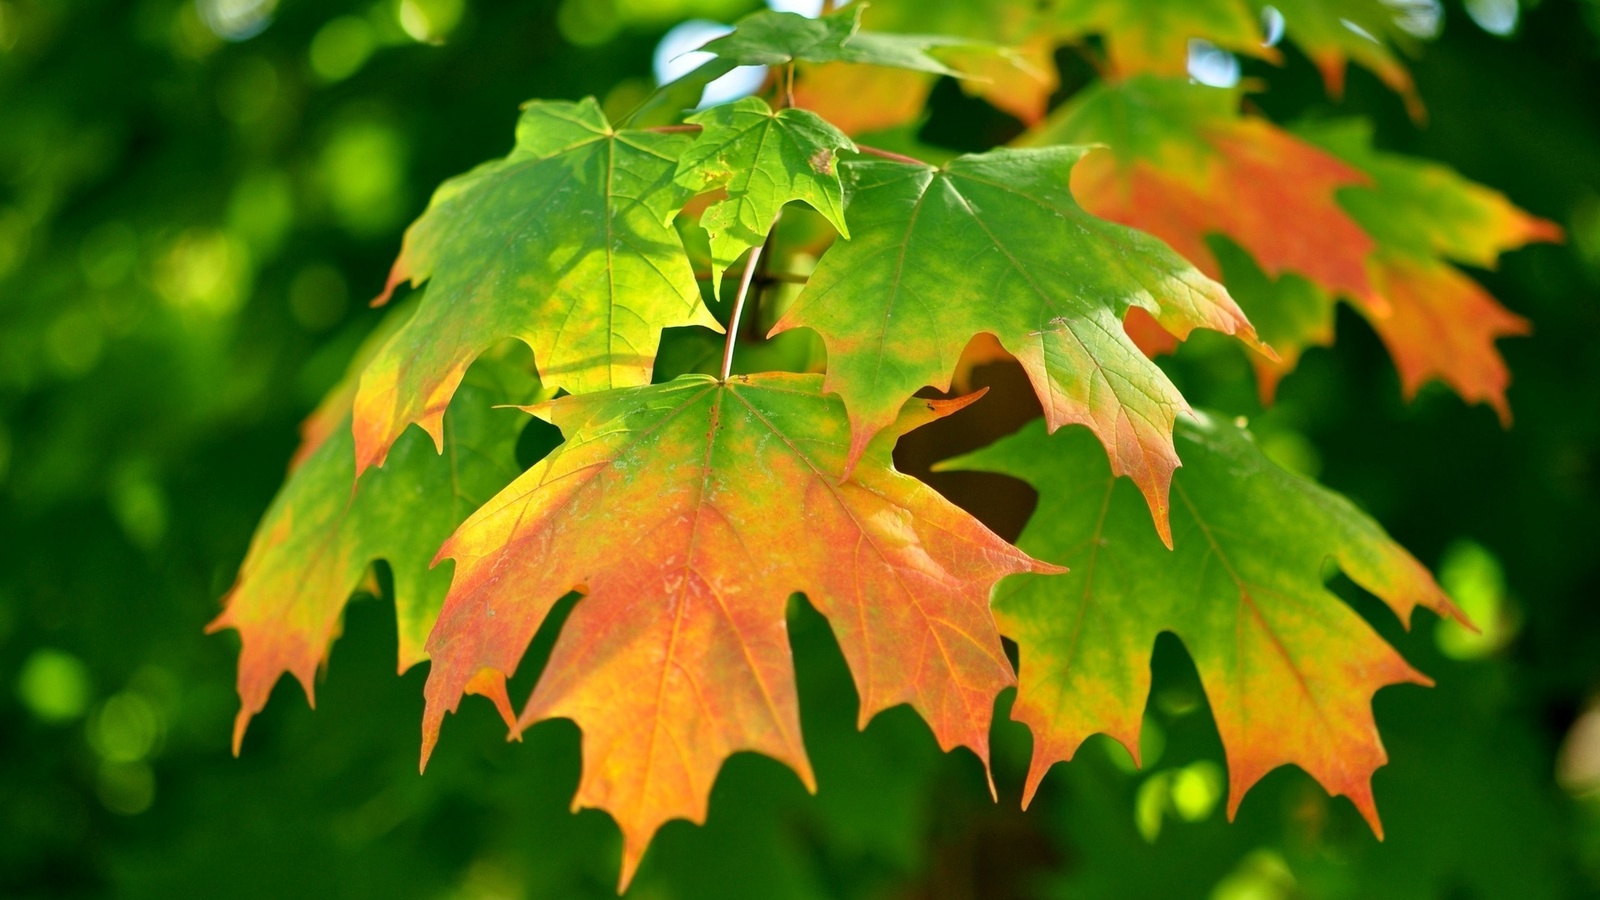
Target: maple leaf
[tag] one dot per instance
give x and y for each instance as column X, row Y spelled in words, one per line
column 564, row 244
column 995, row 243
column 763, row 159
column 318, row 540
column 1185, row 165
column 1288, row 667
column 1436, row 321
column 687, row 513
column 768, row 38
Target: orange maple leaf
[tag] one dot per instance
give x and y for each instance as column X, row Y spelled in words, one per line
column 687, row 514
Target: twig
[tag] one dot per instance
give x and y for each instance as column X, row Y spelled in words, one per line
column 765, row 278
column 889, row 154
column 739, row 299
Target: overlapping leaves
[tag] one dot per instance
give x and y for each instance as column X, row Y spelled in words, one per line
column 325, row 529
column 1305, row 218
column 1147, row 38
column 1288, row 667
column 995, row 243
column 565, row 244
column 687, row 513
column 762, row 159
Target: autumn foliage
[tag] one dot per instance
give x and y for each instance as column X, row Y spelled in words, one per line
column 687, row 503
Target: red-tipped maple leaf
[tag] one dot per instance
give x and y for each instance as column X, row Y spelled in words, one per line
column 687, row 513
column 318, row 541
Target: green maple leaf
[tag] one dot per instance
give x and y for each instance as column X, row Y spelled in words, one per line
column 763, row 159
column 1288, row 667
column 687, row 513
column 995, row 243
column 318, row 541
column 768, row 38
column 565, row 244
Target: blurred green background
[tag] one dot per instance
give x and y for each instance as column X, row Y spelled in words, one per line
column 196, row 199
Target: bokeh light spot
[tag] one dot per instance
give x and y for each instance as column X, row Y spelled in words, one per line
column 1578, row 763
column 139, row 504
column 1419, row 18
column 1261, row 875
column 341, row 47
column 1196, row 788
column 126, row 728
column 678, row 54
column 1474, row 579
column 204, row 272
column 362, row 170
column 588, row 23
column 236, row 20
column 1272, row 26
column 1150, row 805
column 1498, row 17
column 430, row 21
column 1211, row 65
column 54, row 686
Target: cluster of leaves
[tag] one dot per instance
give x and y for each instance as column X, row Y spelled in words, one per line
column 688, row 506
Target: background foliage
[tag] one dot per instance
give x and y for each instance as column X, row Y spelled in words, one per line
column 197, row 198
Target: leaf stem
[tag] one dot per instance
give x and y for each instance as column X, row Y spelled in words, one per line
column 891, row 155
column 765, row 278
column 673, row 129
column 745, row 280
